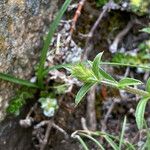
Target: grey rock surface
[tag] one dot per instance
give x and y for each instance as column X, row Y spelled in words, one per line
column 23, row 23
column 14, row 137
column 22, row 26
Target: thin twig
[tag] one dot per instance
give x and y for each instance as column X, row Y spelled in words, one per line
column 114, row 46
column 83, row 123
column 27, row 122
column 127, row 72
column 110, row 5
column 50, row 124
column 61, row 130
column 146, row 76
column 84, row 126
column 42, row 123
column 104, row 122
column 76, row 16
column 91, row 114
column 44, row 142
column 90, row 34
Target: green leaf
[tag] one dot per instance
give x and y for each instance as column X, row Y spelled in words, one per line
column 145, row 67
column 128, row 81
column 81, row 93
column 48, row 40
column 148, row 85
column 105, row 75
column 94, row 140
column 122, row 132
column 147, row 30
column 139, row 114
column 96, row 65
column 19, row 101
column 146, row 146
column 15, row 80
column 111, row 142
column 128, row 144
column 82, row 142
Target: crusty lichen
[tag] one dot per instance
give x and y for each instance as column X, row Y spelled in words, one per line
column 22, row 26
column 2, row 44
column 19, row 2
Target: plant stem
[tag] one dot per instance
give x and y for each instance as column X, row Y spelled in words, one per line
column 136, row 91
column 128, row 89
column 128, row 65
column 47, row 42
column 108, row 83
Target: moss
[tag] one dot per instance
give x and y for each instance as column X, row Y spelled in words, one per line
column 116, row 22
column 100, row 3
column 141, row 58
column 140, row 7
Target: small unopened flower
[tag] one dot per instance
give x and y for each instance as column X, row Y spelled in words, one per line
column 83, row 73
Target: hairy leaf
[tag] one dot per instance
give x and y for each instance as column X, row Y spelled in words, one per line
column 128, row 81
column 81, row 93
column 105, row 75
column 139, row 114
column 96, row 65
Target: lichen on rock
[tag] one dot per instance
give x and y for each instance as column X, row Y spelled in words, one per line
column 22, row 26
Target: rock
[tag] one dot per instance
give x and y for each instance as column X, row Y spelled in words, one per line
column 13, row 136
column 22, row 26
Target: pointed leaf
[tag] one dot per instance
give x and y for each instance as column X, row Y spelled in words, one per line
column 81, row 93
column 145, row 67
column 48, row 40
column 84, row 145
column 15, row 80
column 105, row 75
column 96, row 65
column 148, row 85
column 94, row 140
column 122, row 132
column 147, row 30
column 139, row 114
column 127, row 143
column 128, row 81
column 111, row 142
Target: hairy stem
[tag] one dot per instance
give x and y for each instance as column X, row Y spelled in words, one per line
column 128, row 89
column 136, row 91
